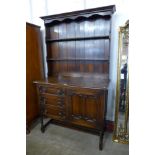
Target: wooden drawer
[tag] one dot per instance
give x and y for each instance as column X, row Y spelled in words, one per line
column 54, row 100
column 51, row 90
column 56, row 91
column 55, row 112
column 84, row 91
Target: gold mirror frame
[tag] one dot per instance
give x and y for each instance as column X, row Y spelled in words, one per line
column 121, row 131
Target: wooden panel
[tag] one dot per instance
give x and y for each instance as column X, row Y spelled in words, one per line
column 107, row 49
column 84, row 108
column 99, row 49
column 79, row 45
column 107, row 29
column 91, row 108
column 80, row 53
column 89, row 49
column 53, row 50
column 63, row 30
column 89, row 45
column 54, row 32
column 71, row 46
column 63, row 47
column 71, row 54
column 53, row 68
column 101, row 67
column 47, row 32
column 34, row 70
column 80, row 28
column 76, row 106
column 70, row 27
column 63, row 54
column 99, row 27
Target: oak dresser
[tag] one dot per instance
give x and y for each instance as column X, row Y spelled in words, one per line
column 74, row 94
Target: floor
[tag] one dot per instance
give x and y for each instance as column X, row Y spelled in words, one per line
column 63, row 141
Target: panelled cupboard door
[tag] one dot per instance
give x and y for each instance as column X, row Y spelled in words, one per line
column 86, row 108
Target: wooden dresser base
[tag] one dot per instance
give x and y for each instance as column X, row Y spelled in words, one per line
column 67, row 102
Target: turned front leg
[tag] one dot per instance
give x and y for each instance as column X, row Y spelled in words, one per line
column 42, row 109
column 42, row 124
column 42, row 112
column 101, row 140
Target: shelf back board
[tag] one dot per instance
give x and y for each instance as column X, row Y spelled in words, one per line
column 79, row 41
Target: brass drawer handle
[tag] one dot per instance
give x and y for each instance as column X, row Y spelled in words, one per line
column 61, row 114
column 60, row 92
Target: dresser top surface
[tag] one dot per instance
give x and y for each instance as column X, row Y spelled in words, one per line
column 83, row 80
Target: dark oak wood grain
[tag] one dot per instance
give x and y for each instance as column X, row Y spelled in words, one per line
column 86, row 101
column 85, row 38
column 34, row 71
column 75, row 91
column 91, row 47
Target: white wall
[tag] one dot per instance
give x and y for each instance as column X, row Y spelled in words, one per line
column 37, row 8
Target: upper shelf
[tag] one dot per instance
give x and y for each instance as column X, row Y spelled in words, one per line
column 78, row 59
column 78, row 38
column 88, row 13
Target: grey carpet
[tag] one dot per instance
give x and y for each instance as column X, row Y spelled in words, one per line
column 63, row 141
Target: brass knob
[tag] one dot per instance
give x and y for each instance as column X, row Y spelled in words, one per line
column 60, row 92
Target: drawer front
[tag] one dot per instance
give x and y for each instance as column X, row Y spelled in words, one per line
column 85, row 91
column 55, row 112
column 54, row 106
column 55, row 91
column 54, row 100
column 51, row 90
